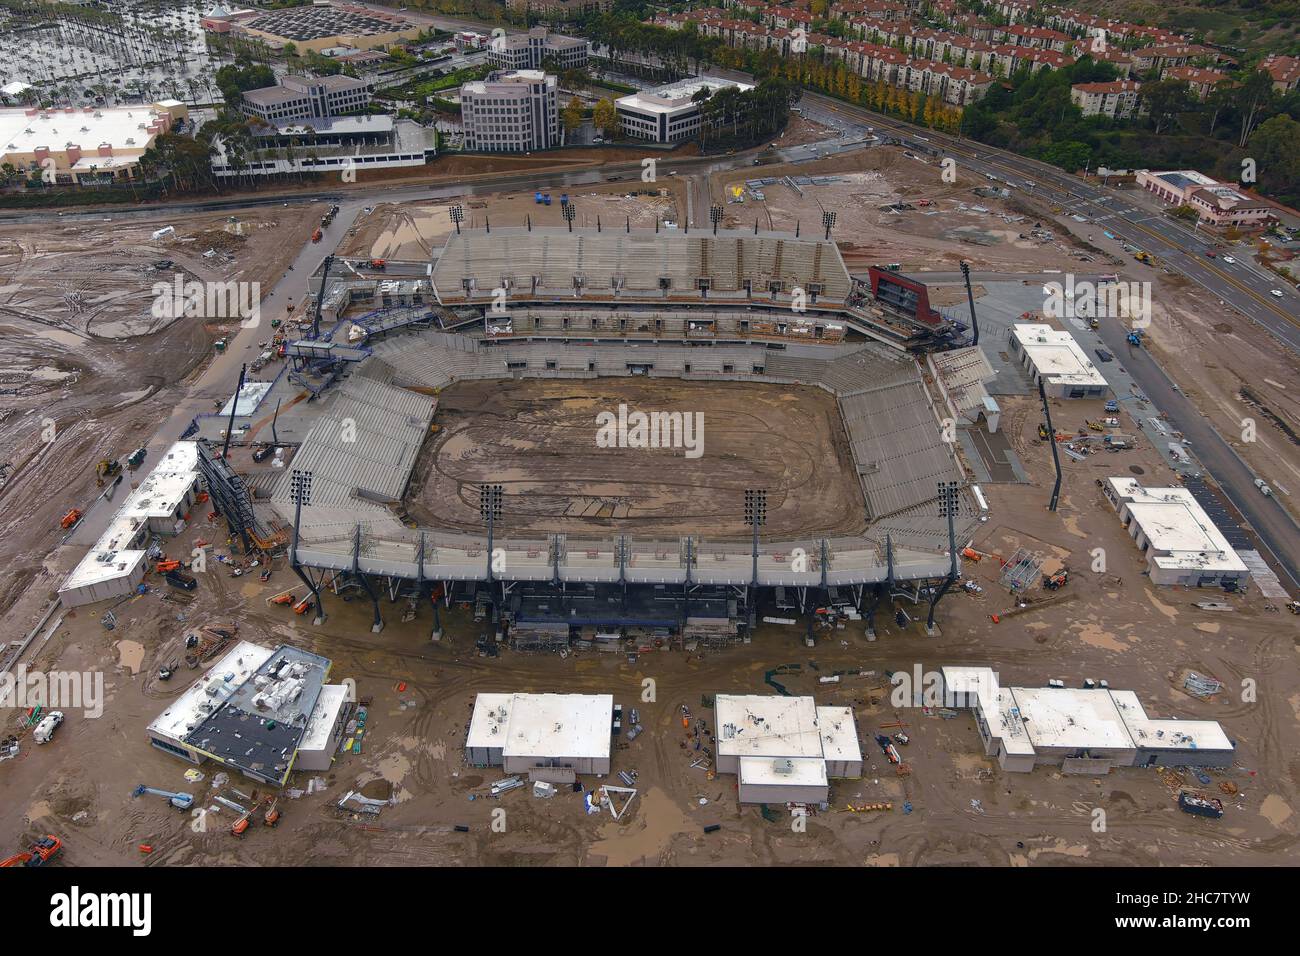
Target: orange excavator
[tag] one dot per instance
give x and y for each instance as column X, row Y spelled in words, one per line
column 167, row 564
column 71, row 518
column 43, row 850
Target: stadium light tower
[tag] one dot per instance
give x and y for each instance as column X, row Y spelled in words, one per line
column 970, row 299
column 755, row 516
column 300, row 494
column 489, row 508
column 947, row 509
column 715, row 217
column 458, row 216
column 568, row 212
column 828, row 220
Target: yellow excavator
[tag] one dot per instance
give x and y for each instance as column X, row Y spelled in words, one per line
column 106, row 469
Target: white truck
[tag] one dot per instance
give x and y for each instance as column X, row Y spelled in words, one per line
column 48, row 725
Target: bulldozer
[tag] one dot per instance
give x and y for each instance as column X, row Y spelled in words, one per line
column 106, row 469
column 1043, row 433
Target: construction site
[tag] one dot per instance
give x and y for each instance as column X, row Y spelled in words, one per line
column 397, row 550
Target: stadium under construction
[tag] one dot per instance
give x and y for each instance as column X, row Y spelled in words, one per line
column 353, row 416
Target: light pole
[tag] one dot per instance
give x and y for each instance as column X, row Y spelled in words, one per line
column 300, row 494
column 828, row 220
column 947, row 509
column 489, row 508
column 715, row 217
column 458, row 216
column 755, row 516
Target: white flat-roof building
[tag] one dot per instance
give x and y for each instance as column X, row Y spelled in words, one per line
column 115, row 565
column 262, row 711
column 1057, row 359
column 320, row 741
column 301, row 97
column 668, row 114
column 84, row 144
column 1086, row 730
column 529, row 51
column 215, row 686
column 511, row 112
column 784, row 749
column 1182, row 545
column 520, row 732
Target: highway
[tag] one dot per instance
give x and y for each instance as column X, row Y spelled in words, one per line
column 1240, row 284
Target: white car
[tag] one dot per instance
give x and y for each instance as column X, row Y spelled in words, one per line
column 1276, row 293
column 1264, row 489
column 1229, row 260
column 48, row 725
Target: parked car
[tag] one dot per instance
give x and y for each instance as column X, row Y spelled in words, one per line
column 1103, row 355
column 1263, row 487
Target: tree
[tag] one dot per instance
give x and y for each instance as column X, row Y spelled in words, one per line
column 1253, row 96
column 605, row 117
column 1275, row 147
column 571, row 115
column 1166, row 99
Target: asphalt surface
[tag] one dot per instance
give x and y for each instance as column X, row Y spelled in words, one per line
column 1240, row 285
column 1271, row 522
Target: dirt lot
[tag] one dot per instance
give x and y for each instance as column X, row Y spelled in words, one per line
column 932, row 237
column 963, row 809
column 538, row 439
column 91, row 364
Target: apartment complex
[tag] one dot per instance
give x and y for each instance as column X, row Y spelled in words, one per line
column 668, row 114
column 1285, row 71
column 511, row 112
column 528, row 51
column 1118, row 100
column 1200, row 81
column 300, row 97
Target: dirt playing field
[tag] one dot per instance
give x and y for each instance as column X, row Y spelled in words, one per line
column 539, row 439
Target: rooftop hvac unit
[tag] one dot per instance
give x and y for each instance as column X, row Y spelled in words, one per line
column 784, row 766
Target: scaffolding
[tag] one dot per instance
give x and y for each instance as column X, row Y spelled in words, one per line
column 1022, row 570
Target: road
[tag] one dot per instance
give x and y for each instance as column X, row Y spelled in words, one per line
column 1272, row 523
column 1240, row 285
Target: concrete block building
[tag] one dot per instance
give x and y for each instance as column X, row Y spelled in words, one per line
column 525, row 732
column 784, row 749
column 1080, row 730
column 1058, row 360
column 1182, row 545
column 300, row 97
column 511, row 112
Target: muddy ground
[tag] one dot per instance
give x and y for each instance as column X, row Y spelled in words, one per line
column 538, row 439
column 963, row 809
column 88, row 369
